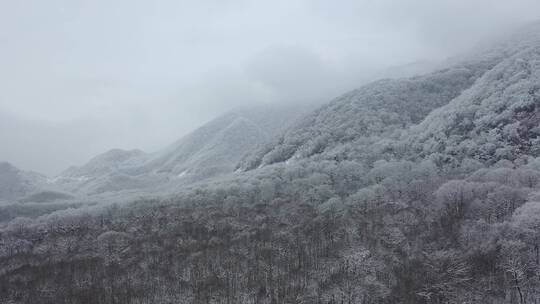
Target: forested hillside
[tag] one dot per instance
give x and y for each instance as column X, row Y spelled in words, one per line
column 481, row 93
column 418, row 190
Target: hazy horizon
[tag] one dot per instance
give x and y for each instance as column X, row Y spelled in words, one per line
column 82, row 77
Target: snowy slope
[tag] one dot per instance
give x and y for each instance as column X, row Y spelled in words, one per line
column 113, row 160
column 218, row 146
column 15, row 184
column 211, row 150
column 497, row 118
column 492, row 90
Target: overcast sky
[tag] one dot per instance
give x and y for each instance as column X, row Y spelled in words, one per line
column 79, row 77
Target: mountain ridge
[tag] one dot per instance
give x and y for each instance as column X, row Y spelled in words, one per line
column 383, row 111
column 211, row 150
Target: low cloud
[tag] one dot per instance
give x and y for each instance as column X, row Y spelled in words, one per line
column 81, row 77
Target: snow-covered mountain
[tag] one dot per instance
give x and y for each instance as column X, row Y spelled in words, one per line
column 15, row 183
column 110, row 161
column 489, row 97
column 110, row 171
column 211, row 150
column 218, row 146
column 496, row 118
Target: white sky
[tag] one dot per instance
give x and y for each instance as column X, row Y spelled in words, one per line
column 78, row 77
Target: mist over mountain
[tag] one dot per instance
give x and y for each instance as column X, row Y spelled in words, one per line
column 211, row 150
column 419, row 189
column 15, row 183
column 482, row 95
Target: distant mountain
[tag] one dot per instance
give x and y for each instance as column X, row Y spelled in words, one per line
column 218, row 146
column 111, row 161
column 106, row 172
column 15, row 183
column 209, row 151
